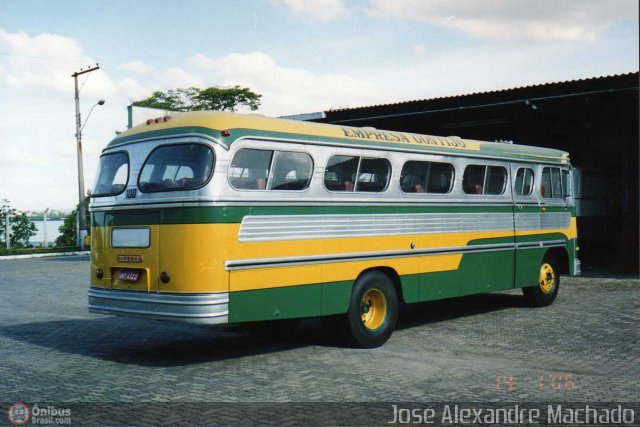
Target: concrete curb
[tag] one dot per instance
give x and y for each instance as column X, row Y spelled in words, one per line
column 48, row 255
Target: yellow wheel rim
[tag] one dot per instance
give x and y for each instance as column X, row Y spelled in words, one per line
column 547, row 279
column 373, row 309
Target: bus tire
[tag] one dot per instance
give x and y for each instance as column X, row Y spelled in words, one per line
column 546, row 290
column 373, row 310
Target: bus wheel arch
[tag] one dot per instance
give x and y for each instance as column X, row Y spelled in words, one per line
column 392, row 274
column 561, row 257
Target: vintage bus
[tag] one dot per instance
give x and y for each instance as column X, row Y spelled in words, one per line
column 216, row 218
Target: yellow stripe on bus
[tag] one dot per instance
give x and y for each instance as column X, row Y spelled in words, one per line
column 230, row 121
column 197, row 253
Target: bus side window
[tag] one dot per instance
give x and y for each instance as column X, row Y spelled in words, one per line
column 249, row 169
column 523, row 185
column 374, row 175
column 440, row 178
column 487, row 180
column 473, row 179
column 426, row 177
column 495, row 181
column 566, row 183
column 176, row 167
column 545, row 185
column 413, row 177
column 291, row 171
column 556, row 183
column 340, row 173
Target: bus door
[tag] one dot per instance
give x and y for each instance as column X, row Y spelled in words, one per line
column 526, row 214
column 489, row 258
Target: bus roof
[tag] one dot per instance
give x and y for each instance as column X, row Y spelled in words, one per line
column 226, row 128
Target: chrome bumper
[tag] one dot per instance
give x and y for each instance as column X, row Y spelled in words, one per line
column 211, row 309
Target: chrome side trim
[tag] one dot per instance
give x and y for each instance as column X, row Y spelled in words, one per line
column 263, row 228
column 291, row 227
column 291, row 202
column 246, row 264
column 541, row 244
column 209, row 308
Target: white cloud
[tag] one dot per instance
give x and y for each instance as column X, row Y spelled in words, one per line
column 201, row 61
column 419, row 50
column 177, row 77
column 567, row 20
column 45, row 63
column 287, row 90
column 136, row 67
column 315, row 10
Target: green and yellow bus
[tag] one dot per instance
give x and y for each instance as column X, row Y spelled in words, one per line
column 218, row 218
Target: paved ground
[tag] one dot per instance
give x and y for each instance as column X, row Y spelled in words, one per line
column 482, row 348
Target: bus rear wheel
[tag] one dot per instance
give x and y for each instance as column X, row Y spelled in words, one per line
column 373, row 310
column 546, row 291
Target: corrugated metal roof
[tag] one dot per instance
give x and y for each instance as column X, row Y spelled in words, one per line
column 540, row 85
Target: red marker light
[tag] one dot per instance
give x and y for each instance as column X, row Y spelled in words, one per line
column 166, row 118
column 225, row 133
column 149, row 121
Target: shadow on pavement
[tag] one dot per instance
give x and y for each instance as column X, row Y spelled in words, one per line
column 156, row 343
column 437, row 311
column 148, row 342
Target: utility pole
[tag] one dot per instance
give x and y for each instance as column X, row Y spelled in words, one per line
column 81, row 223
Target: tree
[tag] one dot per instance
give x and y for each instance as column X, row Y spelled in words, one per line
column 68, row 234
column 194, row 99
column 68, row 230
column 20, row 227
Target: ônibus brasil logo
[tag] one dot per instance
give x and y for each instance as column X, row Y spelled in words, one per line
column 19, row 414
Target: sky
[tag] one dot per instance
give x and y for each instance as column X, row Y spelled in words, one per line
column 301, row 55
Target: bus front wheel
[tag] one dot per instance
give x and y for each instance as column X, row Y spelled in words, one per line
column 546, row 291
column 373, row 310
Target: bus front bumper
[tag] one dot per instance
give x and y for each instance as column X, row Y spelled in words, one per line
column 209, row 309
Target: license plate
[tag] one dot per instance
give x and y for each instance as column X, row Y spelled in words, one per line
column 128, row 275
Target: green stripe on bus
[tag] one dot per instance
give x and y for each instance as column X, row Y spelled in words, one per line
column 289, row 302
column 166, row 133
column 234, row 214
column 481, row 272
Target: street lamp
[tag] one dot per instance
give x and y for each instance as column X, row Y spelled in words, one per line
column 82, row 228
column 100, row 102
